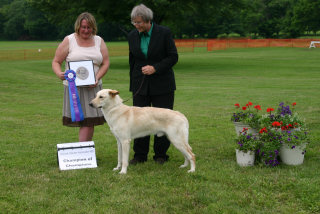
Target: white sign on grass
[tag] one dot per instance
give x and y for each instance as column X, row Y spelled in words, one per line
column 76, row 155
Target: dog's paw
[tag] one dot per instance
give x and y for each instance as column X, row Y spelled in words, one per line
column 183, row 166
column 118, row 167
column 191, row 170
column 122, row 172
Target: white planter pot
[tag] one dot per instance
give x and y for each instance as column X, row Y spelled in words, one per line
column 292, row 130
column 239, row 128
column 291, row 156
column 245, row 158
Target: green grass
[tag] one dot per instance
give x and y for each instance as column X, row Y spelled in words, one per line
column 45, row 50
column 208, row 86
column 10, row 45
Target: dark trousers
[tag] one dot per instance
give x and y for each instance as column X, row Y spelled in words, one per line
column 161, row 144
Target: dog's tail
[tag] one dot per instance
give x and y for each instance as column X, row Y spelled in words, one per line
column 185, row 129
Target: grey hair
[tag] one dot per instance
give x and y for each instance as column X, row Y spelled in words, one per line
column 144, row 12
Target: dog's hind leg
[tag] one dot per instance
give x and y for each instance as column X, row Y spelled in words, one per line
column 192, row 162
column 125, row 155
column 119, row 155
column 188, row 156
column 181, row 143
column 186, row 162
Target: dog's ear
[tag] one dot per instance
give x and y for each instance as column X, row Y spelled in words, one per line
column 113, row 93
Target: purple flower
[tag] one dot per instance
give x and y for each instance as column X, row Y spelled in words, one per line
column 284, row 109
column 293, row 147
column 276, row 162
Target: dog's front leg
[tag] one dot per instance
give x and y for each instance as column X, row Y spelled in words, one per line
column 125, row 156
column 119, row 155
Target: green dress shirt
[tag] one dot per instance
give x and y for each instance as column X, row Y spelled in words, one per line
column 145, row 39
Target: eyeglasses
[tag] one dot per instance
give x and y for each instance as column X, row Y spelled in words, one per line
column 136, row 23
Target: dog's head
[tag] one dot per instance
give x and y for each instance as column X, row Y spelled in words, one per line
column 105, row 97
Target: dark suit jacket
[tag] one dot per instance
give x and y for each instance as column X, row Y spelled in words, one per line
column 162, row 54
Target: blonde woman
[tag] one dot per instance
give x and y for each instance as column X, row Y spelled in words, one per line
column 83, row 44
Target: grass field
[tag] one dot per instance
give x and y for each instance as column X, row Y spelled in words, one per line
column 208, row 86
column 45, row 50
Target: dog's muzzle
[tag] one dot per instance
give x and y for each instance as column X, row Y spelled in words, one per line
column 91, row 105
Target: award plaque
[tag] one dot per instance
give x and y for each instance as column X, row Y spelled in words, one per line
column 84, row 72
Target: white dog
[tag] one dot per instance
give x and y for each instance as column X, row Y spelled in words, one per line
column 129, row 122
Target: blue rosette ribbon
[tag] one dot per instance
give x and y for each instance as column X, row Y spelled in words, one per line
column 75, row 106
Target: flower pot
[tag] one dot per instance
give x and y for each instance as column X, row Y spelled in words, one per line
column 239, row 128
column 292, row 156
column 245, row 158
column 292, row 130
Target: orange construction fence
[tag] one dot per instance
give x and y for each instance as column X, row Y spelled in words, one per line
column 222, row 44
column 183, row 45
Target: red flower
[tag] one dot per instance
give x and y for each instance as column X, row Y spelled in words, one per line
column 270, row 109
column 293, row 104
column 263, row 130
column 249, row 103
column 237, row 105
column 244, row 108
column 244, row 129
column 258, row 107
column 276, row 123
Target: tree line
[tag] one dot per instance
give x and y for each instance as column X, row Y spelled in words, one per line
column 54, row 19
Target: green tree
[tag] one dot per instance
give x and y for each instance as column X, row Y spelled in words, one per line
column 251, row 16
column 3, row 11
column 37, row 25
column 54, row 19
column 273, row 14
column 14, row 26
column 306, row 15
column 291, row 28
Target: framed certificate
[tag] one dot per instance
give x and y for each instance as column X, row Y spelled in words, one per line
column 84, row 72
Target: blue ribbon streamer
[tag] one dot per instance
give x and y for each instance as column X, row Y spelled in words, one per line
column 75, row 105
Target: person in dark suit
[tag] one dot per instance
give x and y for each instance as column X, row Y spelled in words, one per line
column 152, row 54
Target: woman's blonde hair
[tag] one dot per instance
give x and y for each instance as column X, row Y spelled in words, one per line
column 91, row 22
column 144, row 12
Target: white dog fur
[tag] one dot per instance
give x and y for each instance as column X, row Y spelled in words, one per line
column 130, row 122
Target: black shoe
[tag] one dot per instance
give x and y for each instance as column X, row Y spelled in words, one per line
column 160, row 160
column 135, row 161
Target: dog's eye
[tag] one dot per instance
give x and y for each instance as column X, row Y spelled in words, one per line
column 101, row 97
